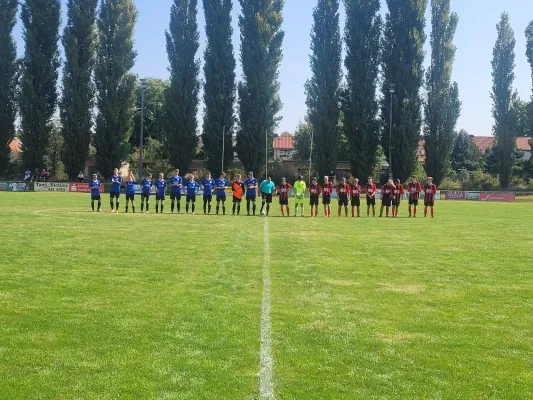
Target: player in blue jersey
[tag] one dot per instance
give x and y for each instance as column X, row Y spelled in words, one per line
column 251, row 191
column 95, row 186
column 130, row 192
column 192, row 187
column 221, row 186
column 208, row 183
column 146, row 187
column 161, row 187
column 176, row 184
column 116, row 183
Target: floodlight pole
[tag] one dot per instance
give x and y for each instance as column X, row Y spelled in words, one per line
column 143, row 87
column 223, row 140
column 266, row 154
column 311, row 154
column 391, row 91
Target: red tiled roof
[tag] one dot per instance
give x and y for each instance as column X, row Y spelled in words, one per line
column 524, row 143
column 485, row 142
column 15, row 146
column 283, row 143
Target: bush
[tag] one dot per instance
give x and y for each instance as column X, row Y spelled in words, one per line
column 480, row 180
column 450, row 184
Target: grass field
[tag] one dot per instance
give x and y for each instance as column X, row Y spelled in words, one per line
column 107, row 306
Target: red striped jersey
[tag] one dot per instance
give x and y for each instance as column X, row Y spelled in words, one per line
column 314, row 190
column 386, row 190
column 370, row 189
column 355, row 191
column 343, row 189
column 283, row 190
column 414, row 190
column 327, row 189
column 430, row 190
column 398, row 191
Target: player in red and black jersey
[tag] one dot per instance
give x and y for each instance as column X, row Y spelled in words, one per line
column 414, row 188
column 355, row 194
column 386, row 197
column 314, row 192
column 430, row 190
column 283, row 190
column 343, row 193
column 327, row 190
column 370, row 189
column 398, row 191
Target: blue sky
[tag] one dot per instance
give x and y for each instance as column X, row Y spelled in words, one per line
column 475, row 39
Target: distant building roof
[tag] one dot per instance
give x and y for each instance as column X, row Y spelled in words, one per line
column 15, row 146
column 486, row 142
column 524, row 143
column 283, row 142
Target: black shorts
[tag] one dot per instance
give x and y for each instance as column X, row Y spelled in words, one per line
column 429, row 203
column 114, row 195
column 221, row 197
column 313, row 200
column 160, row 197
column 283, row 201
column 343, row 201
column 386, row 201
column 356, row 202
column 396, row 202
column 130, row 196
column 370, row 201
column 236, row 199
column 267, row 197
column 326, row 199
column 413, row 202
column 145, row 196
column 96, row 198
column 191, row 199
column 208, row 197
column 175, row 196
column 251, row 197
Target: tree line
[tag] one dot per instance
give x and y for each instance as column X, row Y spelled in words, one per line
column 349, row 110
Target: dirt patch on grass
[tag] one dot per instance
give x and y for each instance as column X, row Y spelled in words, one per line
column 404, row 289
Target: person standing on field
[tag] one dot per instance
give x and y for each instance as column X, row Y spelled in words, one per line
column 192, row 187
column 95, row 186
column 116, row 183
column 355, row 192
column 386, row 197
column 398, row 192
column 266, row 188
column 251, row 192
column 343, row 192
column 414, row 188
column 283, row 192
column 299, row 187
column 208, row 184
column 146, row 187
column 314, row 193
column 327, row 190
column 130, row 192
column 237, row 189
column 161, row 187
column 221, row 186
column 430, row 190
column 370, row 189
column 176, row 183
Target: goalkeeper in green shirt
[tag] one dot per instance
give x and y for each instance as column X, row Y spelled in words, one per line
column 299, row 187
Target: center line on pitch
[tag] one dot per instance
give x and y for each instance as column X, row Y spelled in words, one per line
column 266, row 382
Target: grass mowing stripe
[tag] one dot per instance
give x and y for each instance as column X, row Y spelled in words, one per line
column 266, row 383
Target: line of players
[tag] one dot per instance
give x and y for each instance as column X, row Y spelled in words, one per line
column 391, row 194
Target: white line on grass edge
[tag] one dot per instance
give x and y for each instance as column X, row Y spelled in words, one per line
column 266, row 382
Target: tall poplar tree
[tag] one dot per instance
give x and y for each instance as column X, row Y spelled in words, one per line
column 323, row 89
column 76, row 105
column 181, row 101
column 360, row 106
column 259, row 102
column 115, row 84
column 529, row 54
column 219, row 87
column 38, row 94
column 504, row 96
column 8, row 78
column 403, row 58
column 443, row 107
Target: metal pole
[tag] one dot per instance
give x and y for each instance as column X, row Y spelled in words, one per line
column 390, row 133
column 311, row 154
column 266, row 154
column 142, row 130
column 223, row 140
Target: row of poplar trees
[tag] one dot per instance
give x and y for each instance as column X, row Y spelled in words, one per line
column 381, row 55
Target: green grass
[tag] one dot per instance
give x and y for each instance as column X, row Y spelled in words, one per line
column 106, row 306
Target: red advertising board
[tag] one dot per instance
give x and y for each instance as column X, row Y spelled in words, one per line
column 485, row 196
column 455, row 195
column 82, row 188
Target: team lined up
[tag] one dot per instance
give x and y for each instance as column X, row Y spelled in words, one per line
column 347, row 194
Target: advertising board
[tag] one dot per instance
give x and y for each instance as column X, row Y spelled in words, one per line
column 82, row 188
column 455, row 195
column 50, row 187
column 488, row 196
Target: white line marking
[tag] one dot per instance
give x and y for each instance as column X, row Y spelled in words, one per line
column 266, row 382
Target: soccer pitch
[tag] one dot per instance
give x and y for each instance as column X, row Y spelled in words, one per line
column 136, row 306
